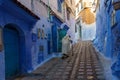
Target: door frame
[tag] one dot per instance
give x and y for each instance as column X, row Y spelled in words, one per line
column 22, row 45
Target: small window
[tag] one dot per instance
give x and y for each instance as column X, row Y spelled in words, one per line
column 81, row 5
column 71, row 1
column 68, row 14
column 99, row 7
column 59, row 5
column 113, row 20
column 38, row 33
column 75, row 28
column 78, row 9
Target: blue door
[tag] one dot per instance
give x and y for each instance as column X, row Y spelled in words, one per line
column 11, row 45
column 54, row 38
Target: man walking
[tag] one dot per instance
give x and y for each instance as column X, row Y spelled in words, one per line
column 66, row 41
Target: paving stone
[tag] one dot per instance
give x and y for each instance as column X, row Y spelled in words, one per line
column 66, row 73
column 60, row 70
column 84, row 65
column 90, row 73
column 67, row 69
column 64, row 77
column 58, row 73
column 81, row 73
column 99, row 72
column 88, row 67
column 89, row 70
column 49, row 73
column 80, row 77
column 70, row 65
column 82, row 62
column 97, row 66
column 90, row 77
column 56, row 76
column 88, row 64
column 98, row 69
column 81, row 70
column 100, row 77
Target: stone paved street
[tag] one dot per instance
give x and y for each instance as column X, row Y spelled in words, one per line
column 83, row 65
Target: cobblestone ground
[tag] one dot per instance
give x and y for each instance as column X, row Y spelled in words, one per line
column 84, row 64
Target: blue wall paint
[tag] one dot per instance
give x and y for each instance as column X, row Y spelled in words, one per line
column 23, row 22
column 38, row 56
column 27, row 25
column 107, row 36
column 116, row 51
column 103, row 31
column 11, row 47
column 2, row 66
column 56, row 24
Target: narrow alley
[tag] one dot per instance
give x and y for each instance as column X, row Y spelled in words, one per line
column 82, row 64
column 59, row 39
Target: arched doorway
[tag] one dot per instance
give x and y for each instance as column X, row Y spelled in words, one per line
column 11, row 38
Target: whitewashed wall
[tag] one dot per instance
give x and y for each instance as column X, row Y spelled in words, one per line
column 88, row 31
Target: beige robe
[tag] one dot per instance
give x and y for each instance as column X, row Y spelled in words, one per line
column 65, row 45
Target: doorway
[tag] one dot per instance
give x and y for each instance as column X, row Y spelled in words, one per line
column 11, row 47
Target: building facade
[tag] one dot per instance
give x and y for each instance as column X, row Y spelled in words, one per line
column 31, row 33
column 85, row 19
column 107, row 34
column 62, row 18
column 16, row 23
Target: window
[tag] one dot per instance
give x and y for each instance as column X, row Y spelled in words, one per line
column 78, row 9
column 71, row 1
column 59, row 5
column 99, row 6
column 81, row 5
column 68, row 14
column 76, row 28
column 84, row 4
column 113, row 20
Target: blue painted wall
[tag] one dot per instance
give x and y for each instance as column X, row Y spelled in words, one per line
column 40, row 56
column 107, row 35
column 31, row 55
column 103, row 30
column 13, row 15
column 56, row 25
column 2, row 67
column 116, row 46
